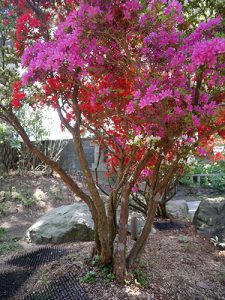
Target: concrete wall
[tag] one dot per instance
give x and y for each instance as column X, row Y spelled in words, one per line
column 68, row 158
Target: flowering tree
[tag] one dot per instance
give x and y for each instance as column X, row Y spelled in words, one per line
column 149, row 92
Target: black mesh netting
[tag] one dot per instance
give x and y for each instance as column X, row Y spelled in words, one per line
column 38, row 257
column 11, row 281
column 166, row 225
column 65, row 288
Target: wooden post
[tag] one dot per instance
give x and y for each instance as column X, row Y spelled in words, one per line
column 199, row 183
column 133, row 225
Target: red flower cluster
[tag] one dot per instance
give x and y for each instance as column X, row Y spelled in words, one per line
column 17, row 95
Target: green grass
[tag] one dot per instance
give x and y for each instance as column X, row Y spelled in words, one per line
column 2, row 232
column 56, row 193
column 3, row 208
column 29, row 202
column 9, row 246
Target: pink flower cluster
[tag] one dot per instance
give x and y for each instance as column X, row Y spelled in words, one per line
column 145, row 45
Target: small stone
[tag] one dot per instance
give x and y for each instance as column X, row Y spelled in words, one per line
column 153, row 231
column 150, row 296
column 203, row 285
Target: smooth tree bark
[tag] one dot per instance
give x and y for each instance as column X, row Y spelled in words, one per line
column 120, row 251
column 142, row 239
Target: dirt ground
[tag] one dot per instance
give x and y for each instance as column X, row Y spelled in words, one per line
column 28, row 197
column 176, row 264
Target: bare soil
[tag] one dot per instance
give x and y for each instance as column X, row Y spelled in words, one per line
column 29, row 197
column 176, row 264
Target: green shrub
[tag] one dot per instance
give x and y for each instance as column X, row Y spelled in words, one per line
column 96, row 261
column 106, row 270
column 141, row 278
column 90, row 277
column 29, row 202
column 201, row 166
column 27, row 199
column 107, row 274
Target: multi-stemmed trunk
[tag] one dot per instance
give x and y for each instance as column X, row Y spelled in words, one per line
column 111, row 252
column 119, row 263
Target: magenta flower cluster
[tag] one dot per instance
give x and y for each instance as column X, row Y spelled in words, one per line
column 146, row 41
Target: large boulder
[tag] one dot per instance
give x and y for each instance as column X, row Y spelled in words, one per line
column 209, row 218
column 68, row 223
column 177, row 209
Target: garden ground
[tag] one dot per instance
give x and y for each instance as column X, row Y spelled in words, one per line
column 176, row 264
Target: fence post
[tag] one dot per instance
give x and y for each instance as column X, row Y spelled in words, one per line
column 199, row 183
column 133, row 228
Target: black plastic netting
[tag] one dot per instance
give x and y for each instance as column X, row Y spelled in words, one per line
column 11, row 281
column 166, row 225
column 65, row 288
column 38, row 257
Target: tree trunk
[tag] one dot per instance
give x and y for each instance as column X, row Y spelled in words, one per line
column 97, row 247
column 112, row 221
column 106, row 253
column 141, row 241
column 119, row 263
column 163, row 210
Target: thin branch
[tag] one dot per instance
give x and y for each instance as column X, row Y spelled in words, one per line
column 64, row 122
column 138, row 208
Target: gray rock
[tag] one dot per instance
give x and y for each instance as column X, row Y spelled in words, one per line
column 177, row 209
column 203, row 285
column 140, row 223
column 63, row 224
column 153, row 231
column 209, row 218
column 192, row 207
